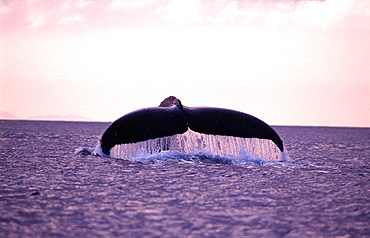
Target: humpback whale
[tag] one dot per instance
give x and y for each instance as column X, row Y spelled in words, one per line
column 172, row 118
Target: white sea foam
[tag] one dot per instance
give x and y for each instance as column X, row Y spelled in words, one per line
column 198, row 157
column 99, row 151
column 284, row 156
column 237, row 150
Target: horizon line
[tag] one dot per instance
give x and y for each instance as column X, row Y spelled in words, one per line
column 97, row 121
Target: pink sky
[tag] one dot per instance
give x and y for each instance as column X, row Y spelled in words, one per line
column 286, row 62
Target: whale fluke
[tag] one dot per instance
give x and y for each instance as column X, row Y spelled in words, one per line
column 220, row 121
column 142, row 125
column 172, row 118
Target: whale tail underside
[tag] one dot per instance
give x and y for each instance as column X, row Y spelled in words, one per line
column 220, row 121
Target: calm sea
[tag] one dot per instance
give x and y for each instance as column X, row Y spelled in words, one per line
column 48, row 191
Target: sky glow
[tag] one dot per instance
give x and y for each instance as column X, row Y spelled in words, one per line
column 286, row 62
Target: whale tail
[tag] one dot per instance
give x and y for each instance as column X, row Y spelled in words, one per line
column 171, row 101
column 172, row 118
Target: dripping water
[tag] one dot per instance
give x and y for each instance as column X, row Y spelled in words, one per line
column 192, row 142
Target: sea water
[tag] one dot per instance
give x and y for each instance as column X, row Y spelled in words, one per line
column 46, row 190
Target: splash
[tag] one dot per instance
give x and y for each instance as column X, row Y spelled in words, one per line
column 196, row 144
column 197, row 158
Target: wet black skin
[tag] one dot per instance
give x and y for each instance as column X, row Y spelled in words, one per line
column 172, row 118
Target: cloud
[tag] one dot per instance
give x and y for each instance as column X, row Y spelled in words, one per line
column 129, row 5
column 72, row 19
column 179, row 11
column 36, row 19
column 36, row 14
column 5, row 9
column 277, row 13
column 322, row 13
column 259, row 12
column 83, row 3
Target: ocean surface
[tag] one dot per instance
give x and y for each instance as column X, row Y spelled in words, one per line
column 46, row 190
